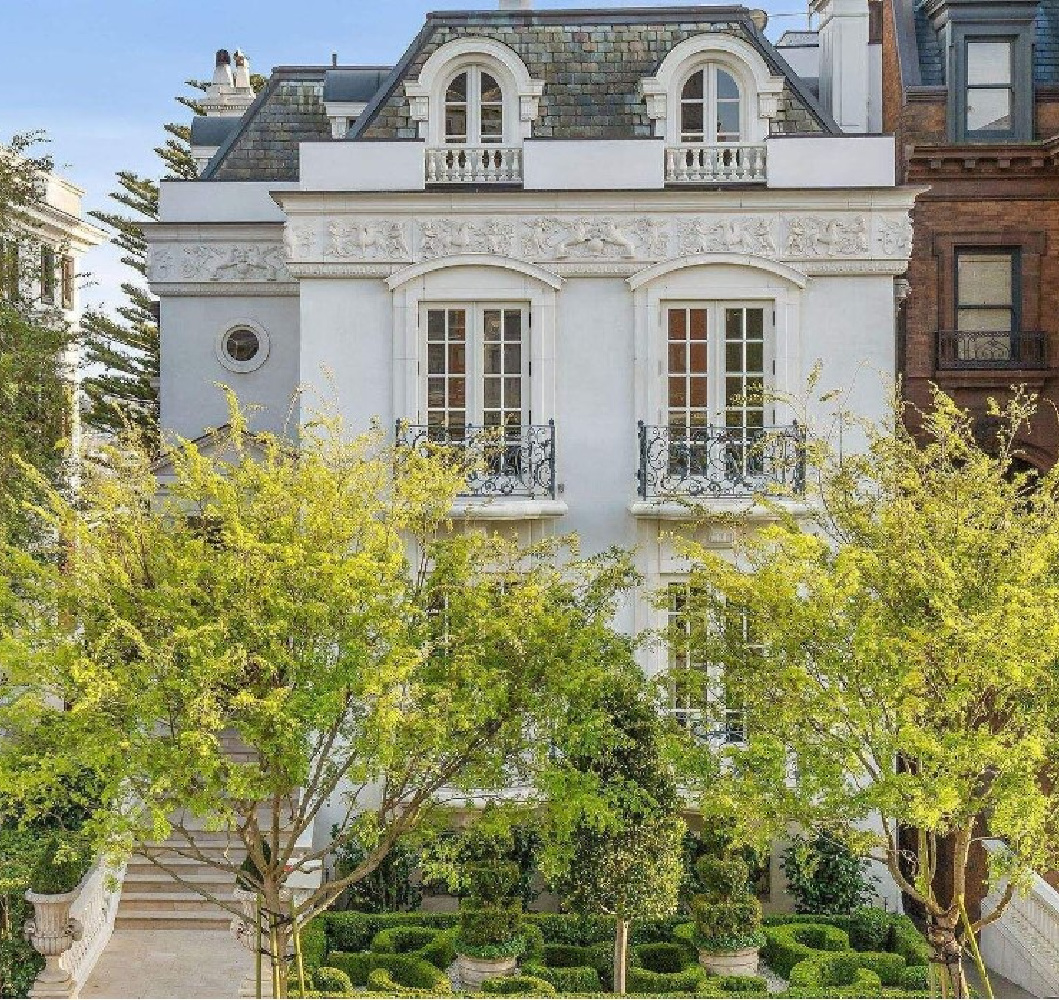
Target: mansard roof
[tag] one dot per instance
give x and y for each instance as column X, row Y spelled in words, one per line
column 591, row 62
column 923, row 60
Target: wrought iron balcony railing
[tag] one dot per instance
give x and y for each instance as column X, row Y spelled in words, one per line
column 731, row 729
column 511, row 461
column 720, row 461
column 984, row 349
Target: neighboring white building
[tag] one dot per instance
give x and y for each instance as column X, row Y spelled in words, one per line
column 599, row 229
column 57, row 236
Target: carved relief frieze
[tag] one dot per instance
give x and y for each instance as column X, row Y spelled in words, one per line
column 739, row 234
column 219, row 262
column 583, row 243
column 348, row 240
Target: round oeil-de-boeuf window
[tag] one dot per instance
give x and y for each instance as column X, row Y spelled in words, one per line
column 243, row 348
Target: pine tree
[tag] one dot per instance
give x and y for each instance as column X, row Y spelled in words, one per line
column 125, row 347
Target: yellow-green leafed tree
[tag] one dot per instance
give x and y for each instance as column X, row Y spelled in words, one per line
column 318, row 604
column 897, row 658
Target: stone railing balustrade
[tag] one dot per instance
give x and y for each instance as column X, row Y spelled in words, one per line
column 723, row 163
column 474, row 165
column 1023, row 945
column 93, row 905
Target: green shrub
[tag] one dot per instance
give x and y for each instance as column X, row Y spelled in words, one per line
column 314, row 943
column 406, row 970
column 491, row 881
column 727, row 916
column 568, row 956
column 914, row 978
column 741, row 984
column 531, row 934
column 574, row 928
column 659, row 983
column 824, row 875
column 441, row 951
column 788, row 944
column 907, row 942
column 869, row 928
column 886, row 965
column 572, row 979
column 664, row 957
column 840, row 969
column 60, row 866
column 507, row 986
column 832, row 920
column 489, row 924
column 380, row 981
column 331, row 982
column 400, row 940
column 351, row 931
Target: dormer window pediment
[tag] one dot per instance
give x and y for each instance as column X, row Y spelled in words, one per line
column 712, row 88
column 474, row 91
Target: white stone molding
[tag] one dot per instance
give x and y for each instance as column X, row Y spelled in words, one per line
column 217, row 262
column 668, row 267
column 416, row 271
column 243, row 367
column 367, row 240
column 522, row 94
column 477, row 278
column 759, row 89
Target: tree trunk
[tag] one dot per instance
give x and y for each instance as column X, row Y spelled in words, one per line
column 621, row 953
column 948, row 954
column 278, row 926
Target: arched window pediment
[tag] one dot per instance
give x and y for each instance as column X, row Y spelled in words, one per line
column 474, row 90
column 726, row 77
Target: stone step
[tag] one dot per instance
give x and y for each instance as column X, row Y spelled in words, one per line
column 187, row 920
column 206, row 880
column 172, row 901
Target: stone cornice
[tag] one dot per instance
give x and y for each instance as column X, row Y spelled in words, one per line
column 971, row 162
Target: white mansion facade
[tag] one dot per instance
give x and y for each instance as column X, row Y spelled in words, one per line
column 602, row 231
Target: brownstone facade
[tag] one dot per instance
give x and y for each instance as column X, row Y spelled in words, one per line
column 985, row 197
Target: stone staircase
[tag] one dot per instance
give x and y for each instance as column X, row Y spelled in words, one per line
column 152, row 899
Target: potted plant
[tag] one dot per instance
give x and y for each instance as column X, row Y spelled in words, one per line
column 489, row 942
column 727, row 918
column 57, row 877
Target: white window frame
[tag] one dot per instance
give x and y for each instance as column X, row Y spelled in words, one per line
column 522, row 93
column 708, row 103
column 717, row 372
column 473, row 106
column 759, row 89
column 475, row 345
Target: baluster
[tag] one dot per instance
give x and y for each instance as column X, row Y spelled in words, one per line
column 707, row 166
column 431, row 167
column 517, row 156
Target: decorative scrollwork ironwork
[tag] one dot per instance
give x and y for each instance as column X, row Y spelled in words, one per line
column 992, row 349
column 511, row 461
column 721, row 461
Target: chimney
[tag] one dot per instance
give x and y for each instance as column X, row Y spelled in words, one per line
column 846, row 84
column 222, row 69
column 230, row 94
column 516, row 4
column 242, row 72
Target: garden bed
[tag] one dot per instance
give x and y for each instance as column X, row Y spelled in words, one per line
column 872, row 954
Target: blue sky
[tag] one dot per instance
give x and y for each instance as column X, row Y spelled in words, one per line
column 99, row 76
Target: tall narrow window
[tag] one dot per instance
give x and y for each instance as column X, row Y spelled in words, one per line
column 9, row 271
column 688, row 350
column 700, row 699
column 744, row 369
column 986, row 304
column 68, row 280
column 477, row 367
column 990, row 76
column 474, row 109
column 447, row 371
column 710, row 107
column 47, row 275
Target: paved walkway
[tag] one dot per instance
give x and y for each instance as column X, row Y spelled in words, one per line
column 1002, row 988
column 170, row 964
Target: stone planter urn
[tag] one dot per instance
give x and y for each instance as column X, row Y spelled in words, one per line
column 741, row 962
column 475, row 971
column 52, row 932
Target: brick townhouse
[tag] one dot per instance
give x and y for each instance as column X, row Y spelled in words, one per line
column 971, row 90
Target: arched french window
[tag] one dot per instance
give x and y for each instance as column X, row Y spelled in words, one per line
column 711, row 107
column 474, row 108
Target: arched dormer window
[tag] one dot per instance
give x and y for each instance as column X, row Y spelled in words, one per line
column 474, row 108
column 712, row 89
column 474, row 91
column 711, row 107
